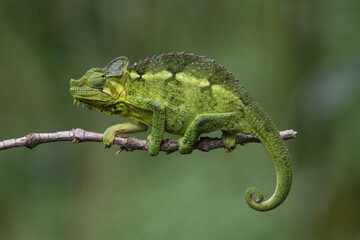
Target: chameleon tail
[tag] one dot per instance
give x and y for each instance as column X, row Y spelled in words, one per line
column 265, row 130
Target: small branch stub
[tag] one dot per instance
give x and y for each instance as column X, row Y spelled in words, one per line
column 78, row 135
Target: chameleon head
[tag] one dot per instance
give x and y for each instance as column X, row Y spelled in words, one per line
column 101, row 88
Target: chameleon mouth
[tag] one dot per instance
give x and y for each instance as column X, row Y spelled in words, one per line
column 82, row 96
column 77, row 91
column 86, row 93
column 110, row 109
column 94, row 105
column 86, row 104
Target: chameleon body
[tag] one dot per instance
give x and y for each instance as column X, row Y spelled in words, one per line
column 187, row 95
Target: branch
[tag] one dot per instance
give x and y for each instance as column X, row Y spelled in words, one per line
column 78, row 135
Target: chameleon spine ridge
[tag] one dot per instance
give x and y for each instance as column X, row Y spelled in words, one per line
column 193, row 56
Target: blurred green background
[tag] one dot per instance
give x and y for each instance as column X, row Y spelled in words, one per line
column 299, row 59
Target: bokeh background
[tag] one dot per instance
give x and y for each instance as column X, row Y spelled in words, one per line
column 299, row 59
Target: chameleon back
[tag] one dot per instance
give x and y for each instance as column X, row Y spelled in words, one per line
column 186, row 84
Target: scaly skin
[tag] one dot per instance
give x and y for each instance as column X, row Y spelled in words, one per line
column 187, row 95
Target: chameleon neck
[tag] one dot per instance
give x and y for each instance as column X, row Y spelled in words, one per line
column 268, row 134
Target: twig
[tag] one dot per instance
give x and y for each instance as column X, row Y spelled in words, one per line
column 78, row 135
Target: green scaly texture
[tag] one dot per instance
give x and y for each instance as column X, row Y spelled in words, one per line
column 187, row 95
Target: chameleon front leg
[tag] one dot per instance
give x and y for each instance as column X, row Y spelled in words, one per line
column 203, row 123
column 157, row 123
column 122, row 128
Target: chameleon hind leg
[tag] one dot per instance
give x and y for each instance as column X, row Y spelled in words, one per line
column 204, row 123
column 229, row 140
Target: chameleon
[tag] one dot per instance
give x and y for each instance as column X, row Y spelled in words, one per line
column 184, row 94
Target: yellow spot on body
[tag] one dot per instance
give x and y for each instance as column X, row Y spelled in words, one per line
column 186, row 78
column 163, row 75
column 220, row 93
column 217, row 89
column 182, row 107
column 134, row 75
column 204, row 83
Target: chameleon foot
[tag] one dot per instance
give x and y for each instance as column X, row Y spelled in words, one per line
column 183, row 147
column 108, row 137
column 229, row 141
column 154, row 147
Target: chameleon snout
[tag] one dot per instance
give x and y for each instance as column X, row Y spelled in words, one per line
column 72, row 81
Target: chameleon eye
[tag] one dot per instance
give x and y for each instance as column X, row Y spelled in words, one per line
column 97, row 80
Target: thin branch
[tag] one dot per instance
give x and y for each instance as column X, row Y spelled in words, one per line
column 78, row 135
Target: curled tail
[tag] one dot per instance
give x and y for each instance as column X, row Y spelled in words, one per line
column 265, row 130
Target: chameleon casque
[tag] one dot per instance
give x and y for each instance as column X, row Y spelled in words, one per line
column 187, row 95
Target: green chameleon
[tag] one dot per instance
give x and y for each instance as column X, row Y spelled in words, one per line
column 188, row 95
